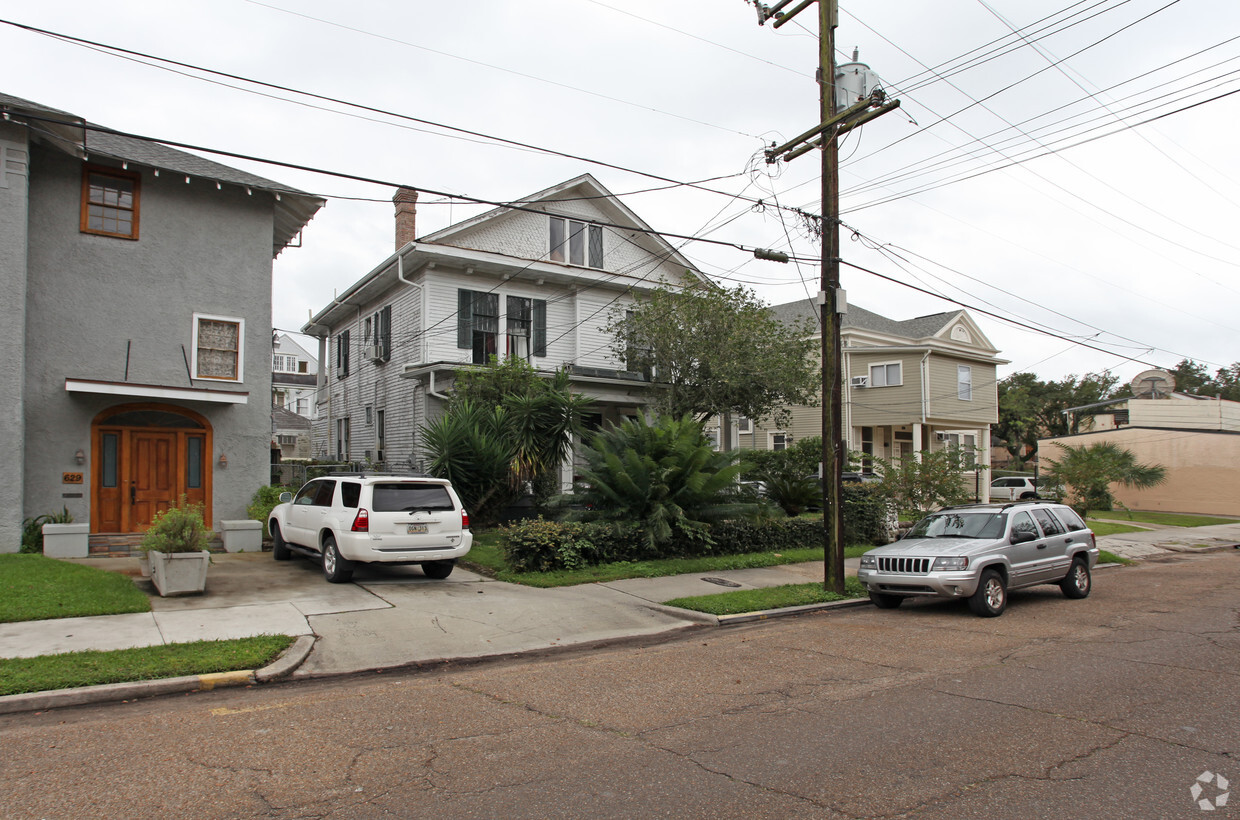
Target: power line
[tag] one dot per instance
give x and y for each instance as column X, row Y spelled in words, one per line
column 337, row 101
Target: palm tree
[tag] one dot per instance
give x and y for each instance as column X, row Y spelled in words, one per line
column 1089, row 472
column 665, row 477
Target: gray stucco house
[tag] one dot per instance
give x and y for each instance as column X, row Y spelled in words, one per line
column 136, row 325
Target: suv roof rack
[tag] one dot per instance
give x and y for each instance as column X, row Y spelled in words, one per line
column 378, row 474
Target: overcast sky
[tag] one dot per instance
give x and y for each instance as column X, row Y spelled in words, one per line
column 1017, row 176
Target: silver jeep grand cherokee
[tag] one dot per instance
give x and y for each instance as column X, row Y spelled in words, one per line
column 979, row 552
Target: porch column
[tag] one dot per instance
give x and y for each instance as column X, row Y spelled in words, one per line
column 918, row 442
column 984, row 443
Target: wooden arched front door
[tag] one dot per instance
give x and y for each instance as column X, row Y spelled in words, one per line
column 145, row 457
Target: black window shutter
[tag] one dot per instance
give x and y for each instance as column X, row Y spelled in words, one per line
column 540, row 327
column 464, row 318
column 385, row 332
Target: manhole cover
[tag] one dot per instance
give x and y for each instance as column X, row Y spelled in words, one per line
column 723, row 582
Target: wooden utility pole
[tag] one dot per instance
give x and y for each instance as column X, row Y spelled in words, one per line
column 832, row 394
column 831, row 297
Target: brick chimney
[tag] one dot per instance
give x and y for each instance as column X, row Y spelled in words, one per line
column 406, row 201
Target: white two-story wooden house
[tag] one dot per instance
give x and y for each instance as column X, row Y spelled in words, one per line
column 538, row 280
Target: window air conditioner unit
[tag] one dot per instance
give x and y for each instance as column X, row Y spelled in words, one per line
column 942, row 436
column 860, row 381
column 375, row 353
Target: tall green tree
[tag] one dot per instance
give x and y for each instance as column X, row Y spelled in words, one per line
column 715, row 350
column 1086, row 474
column 1030, row 408
column 1192, row 377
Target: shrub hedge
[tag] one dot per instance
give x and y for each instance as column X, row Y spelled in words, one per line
column 544, row 546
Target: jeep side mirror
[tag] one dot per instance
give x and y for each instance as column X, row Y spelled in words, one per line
column 1023, row 537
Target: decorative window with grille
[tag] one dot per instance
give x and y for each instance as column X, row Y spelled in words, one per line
column 218, row 347
column 575, row 242
column 283, row 363
column 110, row 202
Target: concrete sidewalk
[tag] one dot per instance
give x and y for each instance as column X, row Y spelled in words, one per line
column 395, row 616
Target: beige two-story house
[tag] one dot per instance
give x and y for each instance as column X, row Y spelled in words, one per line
column 908, row 386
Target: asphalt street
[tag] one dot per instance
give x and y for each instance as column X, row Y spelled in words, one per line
column 1113, row 706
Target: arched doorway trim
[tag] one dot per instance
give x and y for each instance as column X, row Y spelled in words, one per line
column 144, row 458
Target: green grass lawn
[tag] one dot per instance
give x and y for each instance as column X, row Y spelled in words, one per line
column 758, row 600
column 35, row 588
column 1101, row 528
column 1166, row 519
column 73, row 669
column 486, row 557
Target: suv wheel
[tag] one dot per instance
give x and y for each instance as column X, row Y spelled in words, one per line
column 990, row 599
column 438, row 569
column 1077, row 582
column 279, row 547
column 335, row 567
column 884, row 601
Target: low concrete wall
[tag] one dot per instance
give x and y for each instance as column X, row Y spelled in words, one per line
column 1203, row 467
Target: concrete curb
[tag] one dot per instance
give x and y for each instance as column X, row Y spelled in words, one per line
column 288, row 661
column 767, row 614
column 281, row 667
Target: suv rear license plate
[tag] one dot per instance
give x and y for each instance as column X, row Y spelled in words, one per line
column 417, row 529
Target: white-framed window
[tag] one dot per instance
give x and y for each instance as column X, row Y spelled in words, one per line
column 283, row 363
column 219, row 348
column 886, row 374
column 744, row 425
column 302, row 407
column 779, row 441
column 575, row 242
column 370, row 415
column 964, row 382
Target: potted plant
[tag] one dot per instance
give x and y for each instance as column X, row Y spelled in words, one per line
column 176, row 544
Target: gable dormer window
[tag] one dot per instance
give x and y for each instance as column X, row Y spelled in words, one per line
column 575, row 242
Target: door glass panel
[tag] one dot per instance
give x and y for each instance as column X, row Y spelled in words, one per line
column 193, row 466
column 110, row 443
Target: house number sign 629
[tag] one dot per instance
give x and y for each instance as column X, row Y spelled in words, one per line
column 71, row 478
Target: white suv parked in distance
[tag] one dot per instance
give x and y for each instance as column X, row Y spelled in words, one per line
column 1013, row 488
column 346, row 519
column 979, row 551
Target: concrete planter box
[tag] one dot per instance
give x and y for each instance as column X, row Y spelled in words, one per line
column 179, row 573
column 242, row 536
column 66, row 540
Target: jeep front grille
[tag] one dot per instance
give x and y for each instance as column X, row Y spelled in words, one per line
column 914, row 566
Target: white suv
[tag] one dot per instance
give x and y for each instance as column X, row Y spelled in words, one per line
column 345, row 519
column 980, row 551
column 1013, row 488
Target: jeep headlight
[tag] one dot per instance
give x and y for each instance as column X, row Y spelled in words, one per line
column 869, row 562
column 950, row 563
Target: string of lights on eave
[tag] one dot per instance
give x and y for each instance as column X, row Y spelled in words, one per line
column 8, row 113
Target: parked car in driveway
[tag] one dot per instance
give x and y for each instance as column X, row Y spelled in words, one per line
column 1012, row 488
column 342, row 520
column 981, row 551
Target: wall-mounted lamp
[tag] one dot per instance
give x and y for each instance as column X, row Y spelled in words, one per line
column 223, row 461
column 79, row 457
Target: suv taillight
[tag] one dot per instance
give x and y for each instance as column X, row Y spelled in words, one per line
column 361, row 522
column 464, row 520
